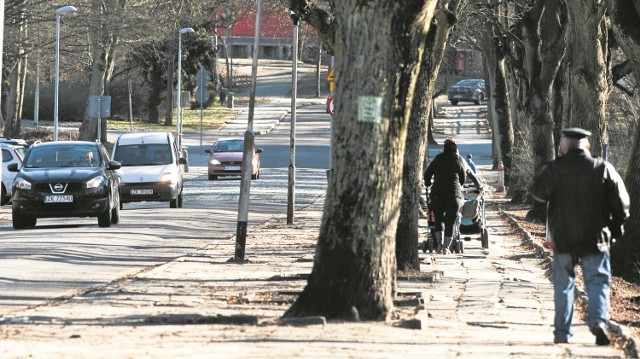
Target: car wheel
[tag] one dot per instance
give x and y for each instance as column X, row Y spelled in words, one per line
column 180, row 200
column 213, row 177
column 454, row 102
column 22, row 222
column 115, row 213
column 3, row 195
column 104, row 219
column 479, row 99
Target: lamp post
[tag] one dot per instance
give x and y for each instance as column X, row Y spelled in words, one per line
column 184, row 30
column 291, row 192
column 59, row 12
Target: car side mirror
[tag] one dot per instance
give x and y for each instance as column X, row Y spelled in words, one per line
column 13, row 167
column 113, row 165
column 259, row 150
column 182, row 161
column 207, row 151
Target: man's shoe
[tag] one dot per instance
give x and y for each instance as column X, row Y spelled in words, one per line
column 560, row 341
column 602, row 336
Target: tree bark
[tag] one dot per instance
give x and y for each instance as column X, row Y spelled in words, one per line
column 625, row 256
column 585, row 89
column 416, row 147
column 353, row 276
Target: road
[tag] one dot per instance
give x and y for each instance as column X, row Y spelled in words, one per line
column 63, row 256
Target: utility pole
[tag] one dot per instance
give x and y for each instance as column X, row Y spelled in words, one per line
column 291, row 193
column 247, row 155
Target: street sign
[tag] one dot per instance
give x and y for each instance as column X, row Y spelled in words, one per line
column 202, row 76
column 99, row 106
column 330, row 79
column 202, row 95
column 370, row 109
column 184, row 98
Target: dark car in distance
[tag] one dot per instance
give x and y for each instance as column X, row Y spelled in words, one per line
column 65, row 179
column 469, row 90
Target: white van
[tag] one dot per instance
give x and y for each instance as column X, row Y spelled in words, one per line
column 151, row 167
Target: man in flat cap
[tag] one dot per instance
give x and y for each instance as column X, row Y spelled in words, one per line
column 587, row 206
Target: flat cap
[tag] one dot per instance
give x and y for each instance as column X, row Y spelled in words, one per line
column 576, row 133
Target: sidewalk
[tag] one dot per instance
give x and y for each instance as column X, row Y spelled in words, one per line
column 484, row 303
column 491, row 303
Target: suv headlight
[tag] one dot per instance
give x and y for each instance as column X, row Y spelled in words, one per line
column 169, row 178
column 95, row 182
column 22, row 183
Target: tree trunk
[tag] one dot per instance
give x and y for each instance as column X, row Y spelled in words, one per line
column 585, row 91
column 416, row 147
column 168, row 113
column 89, row 127
column 12, row 125
column 625, row 256
column 155, row 92
column 353, row 276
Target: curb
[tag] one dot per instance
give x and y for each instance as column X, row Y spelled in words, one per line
column 622, row 333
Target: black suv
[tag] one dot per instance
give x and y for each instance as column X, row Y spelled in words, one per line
column 66, row 179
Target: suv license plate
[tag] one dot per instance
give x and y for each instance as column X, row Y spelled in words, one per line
column 67, row 198
column 141, row 191
column 232, row 168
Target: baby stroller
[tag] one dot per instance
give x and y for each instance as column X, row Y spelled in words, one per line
column 471, row 220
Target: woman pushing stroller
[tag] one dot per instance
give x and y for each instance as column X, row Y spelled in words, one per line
column 449, row 172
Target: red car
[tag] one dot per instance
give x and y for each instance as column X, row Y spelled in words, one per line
column 226, row 159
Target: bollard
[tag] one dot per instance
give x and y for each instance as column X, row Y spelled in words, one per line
column 185, row 155
column 230, row 99
column 500, row 188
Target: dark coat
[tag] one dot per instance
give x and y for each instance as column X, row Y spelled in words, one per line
column 449, row 174
column 587, row 202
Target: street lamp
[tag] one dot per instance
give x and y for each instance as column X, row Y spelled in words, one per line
column 59, row 12
column 184, row 30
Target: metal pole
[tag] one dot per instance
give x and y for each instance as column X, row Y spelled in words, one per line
column 130, row 83
column 99, row 119
column 201, row 110
column 179, row 87
column 245, row 182
column 56, row 75
column 291, row 194
column 36, row 102
column 59, row 12
column 178, row 90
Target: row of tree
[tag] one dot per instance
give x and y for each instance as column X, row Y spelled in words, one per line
column 106, row 43
column 549, row 65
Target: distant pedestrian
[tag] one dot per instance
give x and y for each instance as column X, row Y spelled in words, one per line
column 449, row 173
column 470, row 163
column 587, row 206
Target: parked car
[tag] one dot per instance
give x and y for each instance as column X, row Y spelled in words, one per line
column 65, row 179
column 11, row 153
column 469, row 90
column 151, row 169
column 225, row 159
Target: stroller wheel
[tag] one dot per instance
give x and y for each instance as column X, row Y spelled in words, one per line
column 485, row 238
